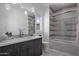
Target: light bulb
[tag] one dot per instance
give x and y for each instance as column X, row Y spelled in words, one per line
column 7, row 6
column 25, row 12
column 33, row 10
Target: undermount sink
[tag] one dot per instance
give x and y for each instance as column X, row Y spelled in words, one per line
column 13, row 38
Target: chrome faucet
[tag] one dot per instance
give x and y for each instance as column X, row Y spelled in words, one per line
column 20, row 32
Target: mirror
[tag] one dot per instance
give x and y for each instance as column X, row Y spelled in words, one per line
column 16, row 20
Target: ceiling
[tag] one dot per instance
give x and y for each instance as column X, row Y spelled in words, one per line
column 58, row 6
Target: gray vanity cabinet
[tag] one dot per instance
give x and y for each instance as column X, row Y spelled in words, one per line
column 7, row 50
column 26, row 48
column 38, row 49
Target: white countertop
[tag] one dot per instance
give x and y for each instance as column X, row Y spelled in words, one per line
column 18, row 40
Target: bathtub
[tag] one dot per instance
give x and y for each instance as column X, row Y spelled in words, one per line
column 69, row 47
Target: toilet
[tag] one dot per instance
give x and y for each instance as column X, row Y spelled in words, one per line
column 45, row 46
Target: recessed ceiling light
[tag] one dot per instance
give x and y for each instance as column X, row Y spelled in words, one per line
column 62, row 3
column 14, row 3
column 22, row 7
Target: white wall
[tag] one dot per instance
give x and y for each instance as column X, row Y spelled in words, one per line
column 46, row 25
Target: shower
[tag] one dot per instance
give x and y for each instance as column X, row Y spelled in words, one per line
column 63, row 21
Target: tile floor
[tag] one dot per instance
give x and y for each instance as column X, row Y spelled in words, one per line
column 52, row 52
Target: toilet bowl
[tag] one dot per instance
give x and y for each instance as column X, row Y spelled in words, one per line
column 45, row 46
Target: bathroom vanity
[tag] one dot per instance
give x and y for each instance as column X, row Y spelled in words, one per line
column 24, row 46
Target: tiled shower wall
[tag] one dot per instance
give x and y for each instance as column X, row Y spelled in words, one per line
column 63, row 24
